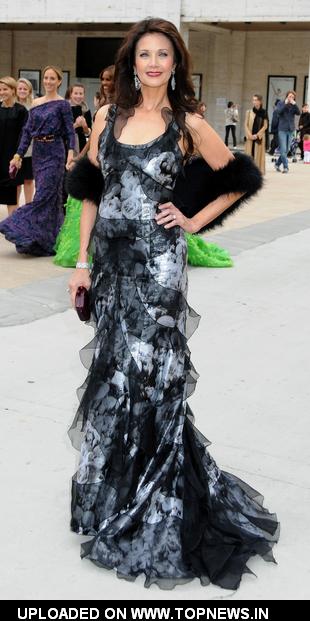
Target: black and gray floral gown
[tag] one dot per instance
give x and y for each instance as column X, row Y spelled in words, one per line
column 147, row 490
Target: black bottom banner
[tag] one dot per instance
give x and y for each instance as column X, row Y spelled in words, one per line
column 154, row 610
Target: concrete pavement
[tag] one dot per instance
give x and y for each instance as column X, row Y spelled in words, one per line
column 252, row 400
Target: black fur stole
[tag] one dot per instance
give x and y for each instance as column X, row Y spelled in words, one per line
column 198, row 184
column 85, row 181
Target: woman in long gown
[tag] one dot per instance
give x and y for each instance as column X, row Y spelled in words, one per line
column 147, row 492
column 25, row 177
column 256, row 125
column 33, row 228
column 13, row 117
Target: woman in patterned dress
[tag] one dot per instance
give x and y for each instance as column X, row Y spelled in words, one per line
column 147, row 492
column 34, row 227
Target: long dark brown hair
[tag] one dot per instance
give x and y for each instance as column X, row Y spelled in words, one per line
column 182, row 99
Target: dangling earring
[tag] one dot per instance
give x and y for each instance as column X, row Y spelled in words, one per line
column 173, row 79
column 137, row 81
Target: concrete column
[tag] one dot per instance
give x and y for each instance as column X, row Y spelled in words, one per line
column 184, row 32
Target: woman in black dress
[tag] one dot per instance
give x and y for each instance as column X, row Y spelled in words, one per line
column 147, row 491
column 13, row 117
column 81, row 115
column 25, row 175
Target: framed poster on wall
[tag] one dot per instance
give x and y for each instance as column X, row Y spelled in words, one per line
column 34, row 76
column 277, row 87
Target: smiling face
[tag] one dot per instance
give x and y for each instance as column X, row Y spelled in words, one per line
column 106, row 82
column 7, row 94
column 23, row 91
column 51, row 81
column 154, row 59
column 77, row 95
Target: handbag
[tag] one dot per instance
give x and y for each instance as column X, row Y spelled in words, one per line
column 13, row 170
column 82, row 304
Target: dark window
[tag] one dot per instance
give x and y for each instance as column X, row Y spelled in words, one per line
column 95, row 53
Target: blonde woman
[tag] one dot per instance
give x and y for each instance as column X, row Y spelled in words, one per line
column 81, row 114
column 256, row 124
column 25, row 97
column 12, row 119
column 33, row 228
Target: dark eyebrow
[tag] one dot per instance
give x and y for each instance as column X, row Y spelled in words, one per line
column 162, row 49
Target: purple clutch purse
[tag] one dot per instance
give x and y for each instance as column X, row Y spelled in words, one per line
column 82, row 305
column 13, row 170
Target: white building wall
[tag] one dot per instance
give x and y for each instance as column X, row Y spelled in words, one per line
column 78, row 11
column 90, row 11
column 245, row 10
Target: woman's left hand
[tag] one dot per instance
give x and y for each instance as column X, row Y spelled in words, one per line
column 170, row 216
column 69, row 163
column 70, row 160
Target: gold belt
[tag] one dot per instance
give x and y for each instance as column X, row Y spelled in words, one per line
column 48, row 138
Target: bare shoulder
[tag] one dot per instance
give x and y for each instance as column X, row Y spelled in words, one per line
column 37, row 101
column 98, row 127
column 100, row 119
column 207, row 142
column 101, row 114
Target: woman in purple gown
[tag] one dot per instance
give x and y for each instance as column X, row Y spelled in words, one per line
column 33, row 228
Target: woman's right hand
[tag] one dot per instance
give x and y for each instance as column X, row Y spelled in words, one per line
column 16, row 162
column 79, row 278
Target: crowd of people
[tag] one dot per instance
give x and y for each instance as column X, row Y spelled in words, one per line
column 40, row 138
column 282, row 127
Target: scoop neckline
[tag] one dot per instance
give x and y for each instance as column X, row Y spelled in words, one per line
column 150, row 142
column 143, row 144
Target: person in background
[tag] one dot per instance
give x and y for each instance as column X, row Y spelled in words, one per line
column 231, row 119
column 33, row 228
column 67, row 244
column 13, row 117
column 306, row 148
column 287, row 110
column 304, row 127
column 202, row 108
column 96, row 102
column 106, row 77
column 256, row 124
column 274, row 129
column 81, row 114
column 25, row 176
